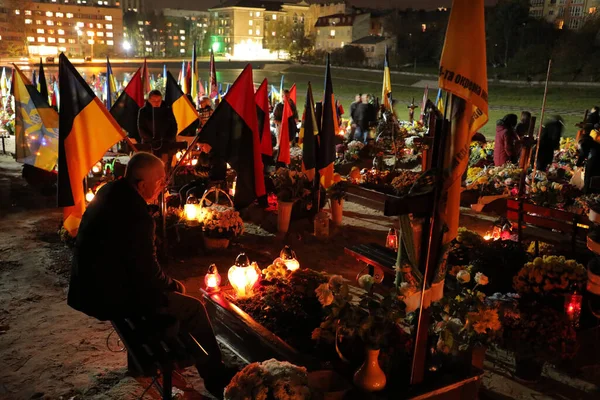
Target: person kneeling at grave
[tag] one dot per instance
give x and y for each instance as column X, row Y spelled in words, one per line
column 115, row 273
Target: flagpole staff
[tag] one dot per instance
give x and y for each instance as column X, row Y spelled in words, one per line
column 537, row 147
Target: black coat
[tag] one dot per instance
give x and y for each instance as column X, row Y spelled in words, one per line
column 365, row 114
column 156, row 124
column 115, row 272
column 549, row 142
column 589, row 149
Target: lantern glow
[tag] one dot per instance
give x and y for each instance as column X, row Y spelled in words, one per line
column 288, row 257
column 89, row 196
column 212, row 279
column 232, row 190
column 243, row 275
column 487, row 236
column 392, row 239
column 573, row 307
column 191, row 211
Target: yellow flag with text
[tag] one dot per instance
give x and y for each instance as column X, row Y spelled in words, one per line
column 463, row 73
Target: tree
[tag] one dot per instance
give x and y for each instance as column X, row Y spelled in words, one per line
column 348, row 55
column 301, row 45
column 504, row 22
column 132, row 33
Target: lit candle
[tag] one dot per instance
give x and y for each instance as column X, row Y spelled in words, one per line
column 288, row 256
column 573, row 307
column 212, row 279
column 89, row 196
column 243, row 275
column 392, row 239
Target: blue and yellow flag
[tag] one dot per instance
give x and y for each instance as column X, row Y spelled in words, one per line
column 386, row 91
column 36, row 126
column 110, row 87
column 463, row 73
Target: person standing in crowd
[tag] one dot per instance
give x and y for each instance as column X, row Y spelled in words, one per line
column 505, row 141
column 278, row 115
column 549, row 142
column 589, row 149
column 205, row 110
column 364, row 115
column 522, row 130
column 157, row 126
column 353, row 107
column 591, row 120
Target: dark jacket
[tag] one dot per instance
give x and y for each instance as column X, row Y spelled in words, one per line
column 353, row 107
column 592, row 119
column 364, row 115
column 115, row 272
column 278, row 115
column 504, row 147
column 549, row 142
column 157, row 123
column 589, row 149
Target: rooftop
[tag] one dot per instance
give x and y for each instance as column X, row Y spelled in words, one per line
column 372, row 39
column 336, row 20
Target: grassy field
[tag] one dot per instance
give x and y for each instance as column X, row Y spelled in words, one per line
column 568, row 102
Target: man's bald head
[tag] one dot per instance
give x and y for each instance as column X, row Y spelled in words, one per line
column 146, row 173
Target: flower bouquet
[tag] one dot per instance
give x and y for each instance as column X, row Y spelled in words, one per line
column 550, row 276
column 337, row 194
column 481, row 155
column 543, row 192
column 567, row 153
column 7, row 122
column 493, row 181
column 271, row 379
column 353, row 151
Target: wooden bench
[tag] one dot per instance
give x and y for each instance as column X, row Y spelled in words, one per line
column 576, row 226
column 375, row 256
column 155, row 344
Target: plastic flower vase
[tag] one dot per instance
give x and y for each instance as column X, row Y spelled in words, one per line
column 284, row 213
column 337, row 211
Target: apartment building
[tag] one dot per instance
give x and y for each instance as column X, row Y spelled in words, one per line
column 570, row 14
column 336, row 31
column 254, row 27
column 47, row 28
column 317, row 11
column 182, row 29
column 374, row 48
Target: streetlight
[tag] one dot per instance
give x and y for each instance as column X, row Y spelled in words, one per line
column 126, row 47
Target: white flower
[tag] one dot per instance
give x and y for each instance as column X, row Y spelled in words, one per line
column 463, row 276
column 481, row 279
column 366, row 282
column 324, row 295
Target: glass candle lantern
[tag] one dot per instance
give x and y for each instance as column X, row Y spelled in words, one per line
column 89, row 196
column 573, row 307
column 243, row 275
column 392, row 239
column 191, row 210
column 288, row 257
column 212, row 279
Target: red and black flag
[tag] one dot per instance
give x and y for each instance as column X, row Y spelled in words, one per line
column 126, row 108
column 232, row 132
column 262, row 111
column 284, row 133
column 329, row 128
column 308, row 135
column 293, row 94
column 86, row 131
column 184, row 111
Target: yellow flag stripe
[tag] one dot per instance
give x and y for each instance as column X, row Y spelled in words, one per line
column 184, row 112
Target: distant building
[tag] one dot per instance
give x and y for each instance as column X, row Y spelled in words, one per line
column 254, row 27
column 131, row 5
column 570, row 14
column 45, row 28
column 182, row 29
column 317, row 11
column 336, row 31
column 374, row 48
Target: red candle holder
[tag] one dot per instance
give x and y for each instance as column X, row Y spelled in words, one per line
column 573, row 307
column 392, row 239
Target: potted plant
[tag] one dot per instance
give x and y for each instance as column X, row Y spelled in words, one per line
column 220, row 224
column 290, row 187
column 375, row 320
column 337, row 193
column 464, row 320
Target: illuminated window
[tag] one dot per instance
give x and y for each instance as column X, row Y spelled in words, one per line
column 250, row 22
column 90, row 25
column 175, row 44
column 182, row 32
column 50, row 23
column 61, row 32
column 62, row 49
column 258, row 13
column 99, row 26
column 101, row 41
column 41, row 39
column 50, row 31
column 17, row 12
column 51, row 40
column 71, row 41
column 28, row 21
column 40, row 31
column 27, row 12
column 90, row 33
column 274, row 17
column 147, row 43
column 69, row 15
column 249, row 31
column 80, row 24
column 58, row 23
column 182, row 44
column 61, row 40
column 258, row 31
column 273, row 33
column 251, row 13
column 183, row 38
column 109, row 34
column 59, row 15
column 423, row 27
column 332, row 33
column 149, row 49
column 100, row 34
column 182, row 50
column 38, row 22
column 108, row 26
column 108, row 18
column 49, row 13
column 30, row 39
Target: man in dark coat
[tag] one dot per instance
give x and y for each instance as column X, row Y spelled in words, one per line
column 115, row 273
column 156, row 122
column 293, row 120
column 364, row 115
column 589, row 152
column 549, row 142
column 353, row 107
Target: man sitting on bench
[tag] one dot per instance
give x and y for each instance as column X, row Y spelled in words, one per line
column 115, row 273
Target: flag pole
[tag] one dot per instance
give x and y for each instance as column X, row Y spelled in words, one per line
column 537, row 147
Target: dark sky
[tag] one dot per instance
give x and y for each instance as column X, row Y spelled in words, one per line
column 417, row 4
